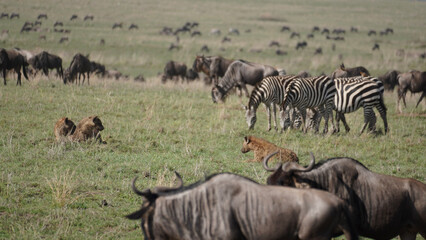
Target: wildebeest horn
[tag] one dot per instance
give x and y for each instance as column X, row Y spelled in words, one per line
column 145, row 193
column 304, row 169
column 168, row 189
column 265, row 163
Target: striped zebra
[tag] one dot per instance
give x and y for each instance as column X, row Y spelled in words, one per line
column 353, row 93
column 270, row 91
column 303, row 93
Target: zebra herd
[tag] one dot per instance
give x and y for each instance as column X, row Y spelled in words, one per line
column 320, row 95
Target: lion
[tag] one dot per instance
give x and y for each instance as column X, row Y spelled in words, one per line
column 64, row 127
column 88, row 128
column 262, row 148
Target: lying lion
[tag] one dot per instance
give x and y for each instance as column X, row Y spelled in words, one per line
column 64, row 127
column 262, row 148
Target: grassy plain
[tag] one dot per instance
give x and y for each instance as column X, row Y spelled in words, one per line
column 56, row 191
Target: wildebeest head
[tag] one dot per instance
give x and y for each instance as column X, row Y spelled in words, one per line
column 218, row 94
column 4, row 58
column 283, row 174
column 201, row 64
column 148, row 206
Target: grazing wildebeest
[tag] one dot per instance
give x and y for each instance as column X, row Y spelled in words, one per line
column 57, row 23
column 415, row 81
column 376, row 47
column 4, row 15
column 12, row 59
column 97, row 68
column 382, row 206
column 285, row 28
column 88, row 17
column 79, row 65
column 74, row 16
column 191, row 74
column 42, row 15
column 213, row 66
column 63, row 39
column 117, row 25
column 318, row 51
column 349, row 72
column 274, row 43
column 239, row 74
column 389, row 79
column 371, row 32
column 174, row 69
column 133, row 26
column 229, row 206
column 45, row 61
column 301, row 45
column 14, row 15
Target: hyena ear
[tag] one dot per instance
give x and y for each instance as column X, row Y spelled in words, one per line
column 246, row 139
column 67, row 121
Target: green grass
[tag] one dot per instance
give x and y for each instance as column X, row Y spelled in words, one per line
column 55, row 191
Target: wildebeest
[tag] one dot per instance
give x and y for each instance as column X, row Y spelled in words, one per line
column 382, row 206
column 191, row 74
column 174, row 69
column 301, row 45
column 389, row 79
column 376, row 47
column 213, row 66
column 285, row 28
column 239, row 74
column 14, row 15
column 97, row 68
column 133, row 26
column 117, row 25
column 45, row 61
column 42, row 15
column 63, row 39
column 349, row 72
column 88, row 17
column 79, row 65
column 74, row 16
column 12, row 59
column 415, row 81
column 229, row 206
column 57, row 23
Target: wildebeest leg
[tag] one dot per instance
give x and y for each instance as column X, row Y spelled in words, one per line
column 4, row 75
column 421, row 97
column 244, row 87
column 18, row 71
column 88, row 78
column 408, row 236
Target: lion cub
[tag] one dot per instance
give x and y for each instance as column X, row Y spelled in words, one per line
column 64, row 127
column 262, row 148
column 87, row 128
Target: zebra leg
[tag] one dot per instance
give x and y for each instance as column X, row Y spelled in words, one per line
column 367, row 115
column 382, row 111
column 372, row 122
column 274, row 109
column 343, row 118
column 268, row 112
column 303, row 113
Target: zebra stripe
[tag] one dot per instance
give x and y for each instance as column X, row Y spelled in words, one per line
column 270, row 91
column 354, row 93
column 303, row 93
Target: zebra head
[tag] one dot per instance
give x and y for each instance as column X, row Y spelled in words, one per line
column 250, row 116
column 217, row 94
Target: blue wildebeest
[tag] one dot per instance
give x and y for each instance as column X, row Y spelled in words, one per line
column 212, row 66
column 382, row 206
column 415, row 81
column 239, row 74
column 12, row 59
column 228, row 206
column 174, row 69
column 79, row 65
column 45, row 61
column 389, row 79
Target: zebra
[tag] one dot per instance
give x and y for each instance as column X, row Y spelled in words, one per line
column 353, row 93
column 303, row 93
column 269, row 91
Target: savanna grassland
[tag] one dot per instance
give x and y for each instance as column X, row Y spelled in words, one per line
column 82, row 190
